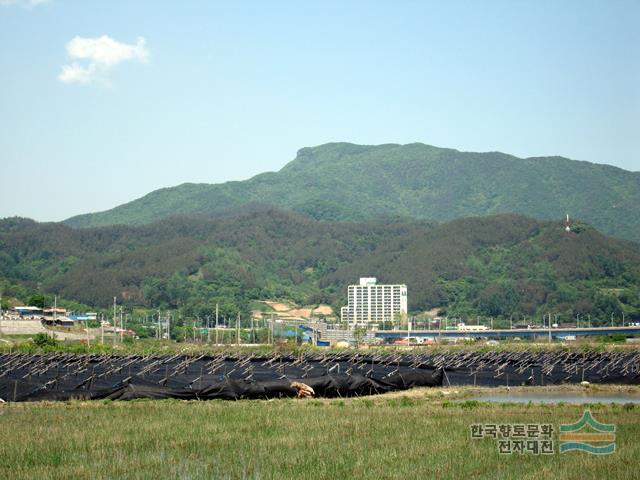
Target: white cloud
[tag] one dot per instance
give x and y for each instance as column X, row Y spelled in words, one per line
column 23, row 3
column 93, row 57
column 76, row 73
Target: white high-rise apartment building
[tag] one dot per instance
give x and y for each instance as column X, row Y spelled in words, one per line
column 369, row 302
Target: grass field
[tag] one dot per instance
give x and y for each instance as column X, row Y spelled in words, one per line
column 418, row 434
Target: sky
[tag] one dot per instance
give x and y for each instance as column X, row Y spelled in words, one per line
column 103, row 101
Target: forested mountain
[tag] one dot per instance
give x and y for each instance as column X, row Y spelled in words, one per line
column 263, row 253
column 499, row 265
column 346, row 182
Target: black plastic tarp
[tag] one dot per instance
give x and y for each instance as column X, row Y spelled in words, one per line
column 229, row 389
column 61, row 376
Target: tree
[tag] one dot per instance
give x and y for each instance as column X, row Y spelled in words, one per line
column 498, row 299
column 606, row 305
column 358, row 335
column 37, row 300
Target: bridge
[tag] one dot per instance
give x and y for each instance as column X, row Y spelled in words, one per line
column 516, row 332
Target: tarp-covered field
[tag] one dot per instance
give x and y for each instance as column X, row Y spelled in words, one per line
column 64, row 376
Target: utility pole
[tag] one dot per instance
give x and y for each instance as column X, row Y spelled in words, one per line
column 1, row 315
column 273, row 340
column 224, row 326
column 114, row 321
column 238, row 330
column 268, row 327
column 121, row 326
column 549, row 328
column 315, row 334
column 216, row 324
column 55, row 311
column 611, row 319
column 589, row 320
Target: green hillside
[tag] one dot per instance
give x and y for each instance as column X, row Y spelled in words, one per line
column 347, row 182
column 492, row 266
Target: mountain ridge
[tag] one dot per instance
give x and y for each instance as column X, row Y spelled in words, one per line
column 344, row 181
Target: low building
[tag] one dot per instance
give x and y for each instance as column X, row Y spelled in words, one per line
column 28, row 311
column 52, row 312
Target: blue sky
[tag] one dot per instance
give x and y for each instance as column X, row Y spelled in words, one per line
column 155, row 94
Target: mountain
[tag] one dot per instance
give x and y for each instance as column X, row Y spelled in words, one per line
column 346, row 182
column 499, row 265
column 264, row 253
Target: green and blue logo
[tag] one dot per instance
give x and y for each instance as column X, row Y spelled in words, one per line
column 601, row 440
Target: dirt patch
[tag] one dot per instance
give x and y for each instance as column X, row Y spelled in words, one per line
column 278, row 307
column 458, row 392
column 293, row 310
column 323, row 310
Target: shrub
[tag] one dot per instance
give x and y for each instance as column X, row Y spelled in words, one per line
column 43, row 340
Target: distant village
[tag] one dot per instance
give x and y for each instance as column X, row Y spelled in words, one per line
column 51, row 316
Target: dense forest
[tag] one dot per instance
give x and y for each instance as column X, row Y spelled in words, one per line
column 500, row 266
column 346, row 182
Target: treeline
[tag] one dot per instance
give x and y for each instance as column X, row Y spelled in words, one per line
column 500, row 266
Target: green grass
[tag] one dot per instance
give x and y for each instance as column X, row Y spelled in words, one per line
column 23, row 343
column 417, row 435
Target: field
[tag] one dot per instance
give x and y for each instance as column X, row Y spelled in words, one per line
column 422, row 433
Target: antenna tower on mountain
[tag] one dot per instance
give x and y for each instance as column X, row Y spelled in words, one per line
column 567, row 226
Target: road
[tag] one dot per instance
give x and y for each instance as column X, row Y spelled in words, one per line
column 539, row 332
